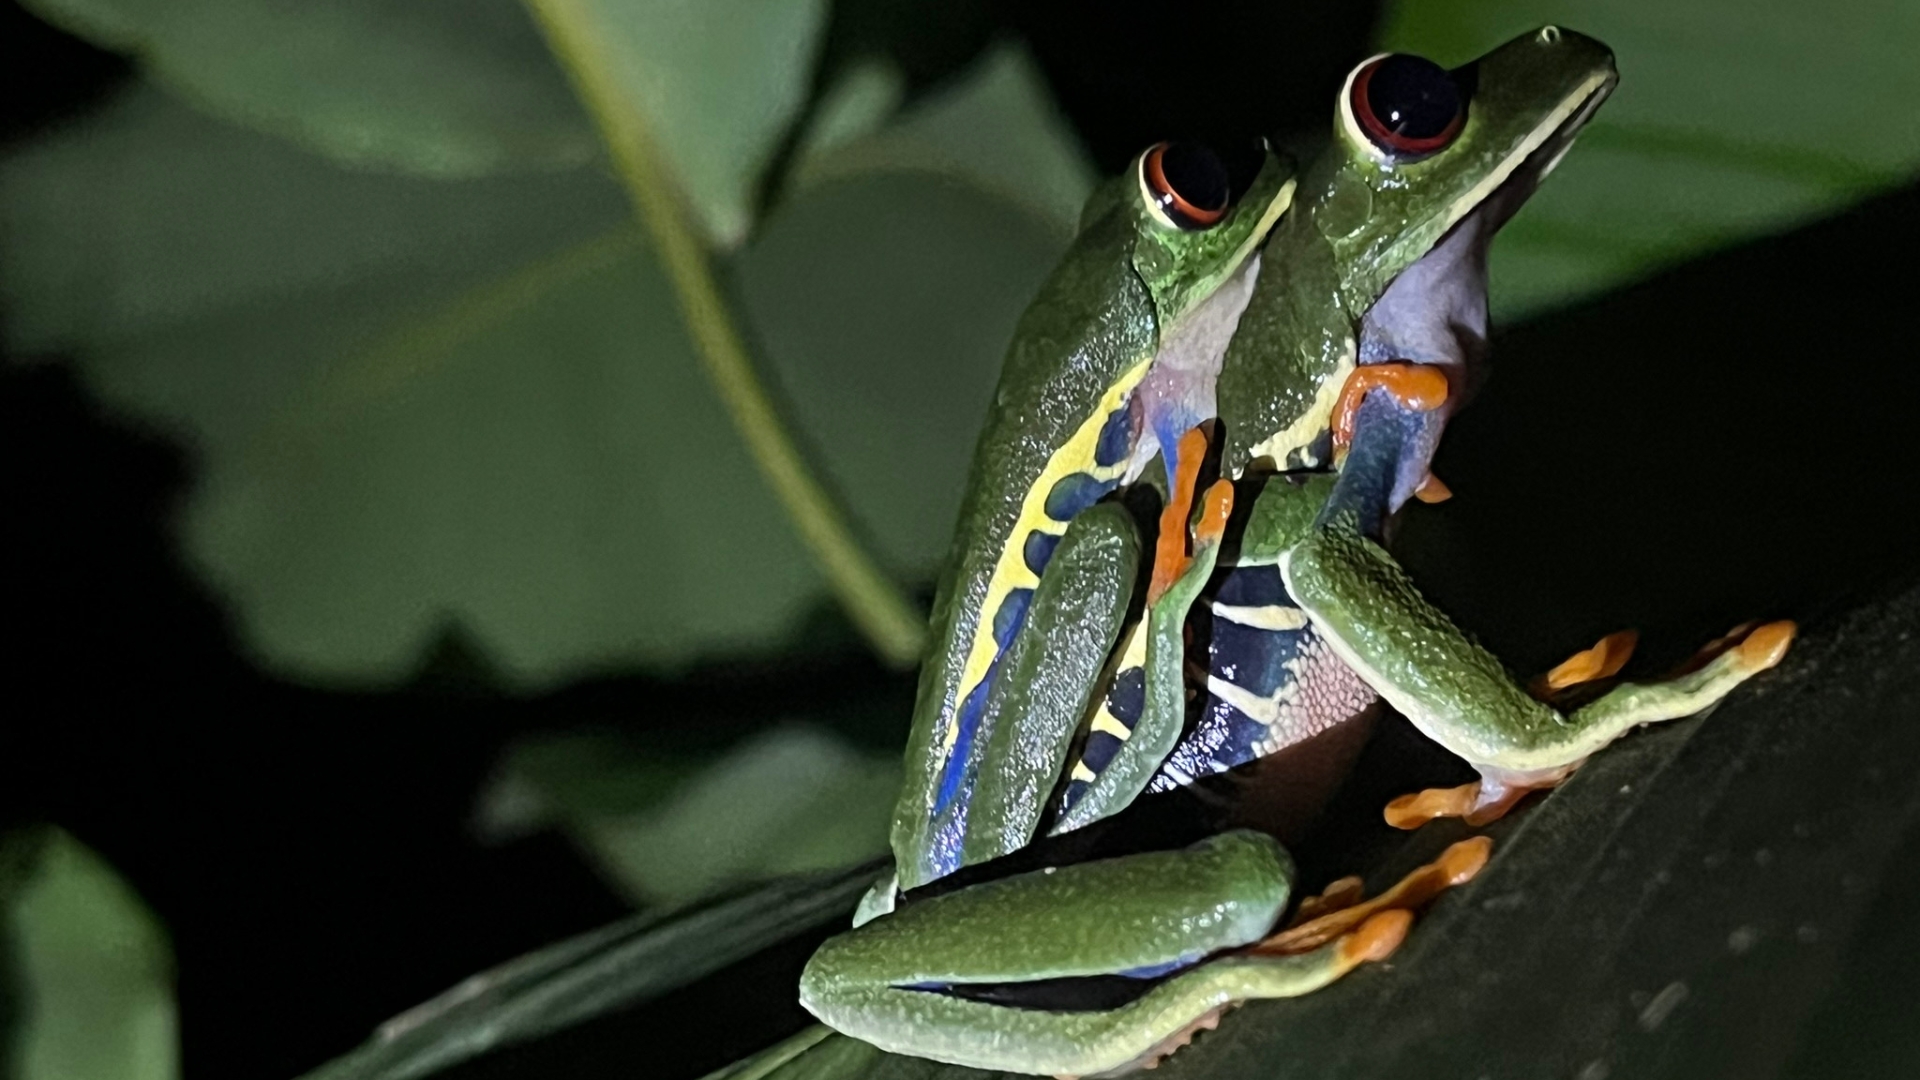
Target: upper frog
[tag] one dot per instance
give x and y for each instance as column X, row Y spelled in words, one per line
column 1384, row 255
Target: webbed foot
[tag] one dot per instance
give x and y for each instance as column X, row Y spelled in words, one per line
column 1478, row 803
column 1338, row 895
column 1456, row 866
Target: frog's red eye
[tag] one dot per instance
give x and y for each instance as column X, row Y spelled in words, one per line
column 1185, row 184
column 1407, row 106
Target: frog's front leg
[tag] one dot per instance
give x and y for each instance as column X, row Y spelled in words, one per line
column 999, row 975
column 1453, row 690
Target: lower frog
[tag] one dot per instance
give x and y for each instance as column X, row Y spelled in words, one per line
column 1365, row 306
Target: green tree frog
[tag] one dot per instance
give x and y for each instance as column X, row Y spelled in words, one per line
column 1210, row 316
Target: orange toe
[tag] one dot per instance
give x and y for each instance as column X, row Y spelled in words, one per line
column 1603, row 661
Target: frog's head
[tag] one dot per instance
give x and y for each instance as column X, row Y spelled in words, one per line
column 1426, row 165
column 1422, row 154
column 1195, row 214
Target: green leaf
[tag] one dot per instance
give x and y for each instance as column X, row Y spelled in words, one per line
column 1730, row 121
column 614, row 968
column 718, row 81
column 861, row 98
column 995, row 128
column 420, row 402
column 789, row 800
column 92, row 973
column 816, row 1053
column 438, row 87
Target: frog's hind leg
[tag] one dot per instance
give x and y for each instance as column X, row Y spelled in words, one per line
column 1698, row 686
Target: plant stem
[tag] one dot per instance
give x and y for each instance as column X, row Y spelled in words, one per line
column 891, row 624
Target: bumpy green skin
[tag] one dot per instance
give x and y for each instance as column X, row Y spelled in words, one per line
column 1454, row 691
column 1322, row 269
column 1097, row 317
column 1282, row 516
column 1086, row 919
column 1356, row 223
column 1082, row 599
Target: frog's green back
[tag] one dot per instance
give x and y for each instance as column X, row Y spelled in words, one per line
column 1091, row 324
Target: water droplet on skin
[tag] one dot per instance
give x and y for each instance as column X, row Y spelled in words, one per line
column 1662, row 1005
column 1743, row 939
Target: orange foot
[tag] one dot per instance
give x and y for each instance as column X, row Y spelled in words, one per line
column 1758, row 646
column 1341, row 894
column 1170, row 553
column 1416, row 386
column 1371, row 931
column 1603, row 661
column 1465, row 802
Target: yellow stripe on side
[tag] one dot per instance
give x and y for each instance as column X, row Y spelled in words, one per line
column 1010, row 570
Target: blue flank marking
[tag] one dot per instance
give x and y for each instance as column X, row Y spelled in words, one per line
column 1127, row 697
column 1116, row 438
column 1037, row 552
column 1099, row 751
column 1154, row 971
column 969, row 722
column 1006, row 623
column 1008, row 620
column 1172, row 423
column 1073, row 493
column 1253, row 586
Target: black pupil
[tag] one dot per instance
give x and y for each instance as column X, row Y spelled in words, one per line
column 1412, row 97
column 1196, row 175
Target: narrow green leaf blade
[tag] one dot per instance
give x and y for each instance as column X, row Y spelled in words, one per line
column 613, row 968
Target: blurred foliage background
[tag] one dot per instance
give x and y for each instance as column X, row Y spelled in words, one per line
column 475, row 467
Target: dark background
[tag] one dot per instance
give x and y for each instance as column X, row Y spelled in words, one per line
column 1727, row 440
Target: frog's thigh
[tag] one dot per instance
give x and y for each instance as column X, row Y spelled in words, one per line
column 986, row 1036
